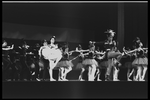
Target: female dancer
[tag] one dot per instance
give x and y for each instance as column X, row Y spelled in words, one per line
column 65, row 66
column 80, row 65
column 127, row 62
column 99, row 57
column 53, row 55
column 140, row 61
column 91, row 62
column 144, row 68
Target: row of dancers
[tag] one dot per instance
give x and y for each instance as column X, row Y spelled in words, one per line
column 51, row 56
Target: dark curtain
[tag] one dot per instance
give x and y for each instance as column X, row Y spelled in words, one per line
column 136, row 22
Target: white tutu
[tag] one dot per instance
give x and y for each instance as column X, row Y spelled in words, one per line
column 51, row 54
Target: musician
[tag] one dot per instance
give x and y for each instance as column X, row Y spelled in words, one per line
column 140, row 61
column 90, row 62
column 6, row 59
column 110, row 46
column 25, row 72
column 36, row 61
column 65, row 65
column 80, row 65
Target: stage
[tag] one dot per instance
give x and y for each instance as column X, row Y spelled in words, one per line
column 25, row 26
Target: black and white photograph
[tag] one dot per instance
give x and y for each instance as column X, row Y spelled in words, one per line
column 75, row 49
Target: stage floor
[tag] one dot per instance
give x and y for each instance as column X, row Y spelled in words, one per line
column 75, row 89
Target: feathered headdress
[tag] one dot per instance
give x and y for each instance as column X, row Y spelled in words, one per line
column 110, row 32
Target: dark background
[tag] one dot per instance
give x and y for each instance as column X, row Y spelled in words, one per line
column 74, row 23
column 136, row 22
